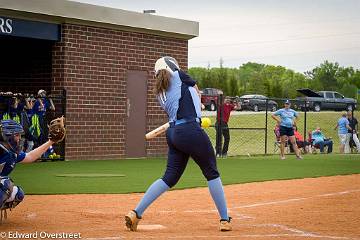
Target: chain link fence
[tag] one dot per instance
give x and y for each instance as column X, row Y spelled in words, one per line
column 252, row 130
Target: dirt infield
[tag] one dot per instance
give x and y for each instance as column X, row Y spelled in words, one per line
column 313, row 208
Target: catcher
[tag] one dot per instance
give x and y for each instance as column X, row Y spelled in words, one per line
column 11, row 153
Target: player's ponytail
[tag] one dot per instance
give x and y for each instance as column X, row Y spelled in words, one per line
column 162, row 81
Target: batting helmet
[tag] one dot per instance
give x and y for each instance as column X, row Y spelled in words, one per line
column 42, row 93
column 168, row 63
column 8, row 130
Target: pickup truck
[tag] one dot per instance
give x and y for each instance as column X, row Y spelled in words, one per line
column 324, row 100
column 209, row 97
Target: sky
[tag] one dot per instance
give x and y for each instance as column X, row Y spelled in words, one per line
column 297, row 34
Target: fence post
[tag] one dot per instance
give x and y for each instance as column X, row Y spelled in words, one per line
column 266, row 125
column 305, row 120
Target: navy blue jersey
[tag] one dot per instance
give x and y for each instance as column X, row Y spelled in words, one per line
column 39, row 108
column 8, row 160
column 181, row 101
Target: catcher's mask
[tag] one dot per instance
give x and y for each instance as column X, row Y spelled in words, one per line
column 11, row 133
column 168, row 63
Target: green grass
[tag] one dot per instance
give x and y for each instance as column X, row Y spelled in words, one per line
column 40, row 178
column 253, row 141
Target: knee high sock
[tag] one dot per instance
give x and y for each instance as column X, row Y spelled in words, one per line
column 153, row 192
column 218, row 195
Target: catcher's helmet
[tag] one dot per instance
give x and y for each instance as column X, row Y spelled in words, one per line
column 168, row 63
column 9, row 129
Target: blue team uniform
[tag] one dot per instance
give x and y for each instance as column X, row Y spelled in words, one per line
column 10, row 195
column 8, row 160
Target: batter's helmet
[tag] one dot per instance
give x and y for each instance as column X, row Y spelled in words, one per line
column 8, row 130
column 168, row 63
column 42, row 93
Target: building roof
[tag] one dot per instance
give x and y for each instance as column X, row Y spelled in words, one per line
column 64, row 11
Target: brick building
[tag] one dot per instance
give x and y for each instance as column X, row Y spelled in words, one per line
column 103, row 58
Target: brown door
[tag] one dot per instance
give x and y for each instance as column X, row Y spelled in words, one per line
column 136, row 113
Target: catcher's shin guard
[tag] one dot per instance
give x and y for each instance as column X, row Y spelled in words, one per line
column 225, row 225
column 132, row 220
column 6, row 187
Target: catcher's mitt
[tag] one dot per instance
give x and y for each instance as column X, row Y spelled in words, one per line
column 57, row 130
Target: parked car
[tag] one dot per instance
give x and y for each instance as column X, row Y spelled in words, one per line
column 325, row 100
column 256, row 102
column 209, row 97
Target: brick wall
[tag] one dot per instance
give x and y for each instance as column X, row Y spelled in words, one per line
column 91, row 64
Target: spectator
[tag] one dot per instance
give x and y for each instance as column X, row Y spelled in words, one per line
column 300, row 141
column 286, row 117
column 226, row 109
column 318, row 138
column 354, row 140
column 343, row 128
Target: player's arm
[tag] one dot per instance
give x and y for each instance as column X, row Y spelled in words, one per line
column 276, row 117
column 52, row 106
column 197, row 90
column 295, row 119
column 57, row 133
column 186, row 79
column 35, row 154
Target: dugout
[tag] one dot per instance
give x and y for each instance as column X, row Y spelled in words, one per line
column 103, row 58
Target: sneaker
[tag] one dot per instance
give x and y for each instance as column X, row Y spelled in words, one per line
column 225, row 225
column 282, row 158
column 224, row 155
column 299, row 157
column 132, row 220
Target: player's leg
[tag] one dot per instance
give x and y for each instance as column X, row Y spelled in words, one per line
column 342, row 138
column 218, row 147
column 206, row 160
column 226, row 135
column 197, row 143
column 283, row 140
column 356, row 141
column 10, row 196
column 175, row 167
column 329, row 144
column 16, row 197
column 295, row 147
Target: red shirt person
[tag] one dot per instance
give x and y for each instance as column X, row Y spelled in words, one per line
column 223, row 128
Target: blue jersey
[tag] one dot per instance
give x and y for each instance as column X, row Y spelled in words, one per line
column 287, row 117
column 342, row 125
column 40, row 109
column 8, row 160
column 180, row 100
